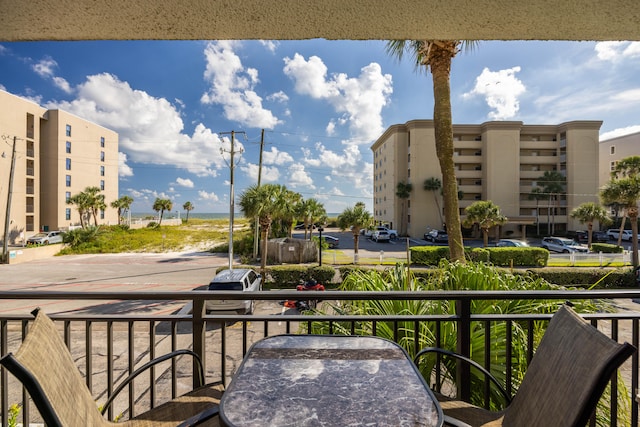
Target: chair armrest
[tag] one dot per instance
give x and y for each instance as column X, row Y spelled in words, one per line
column 450, row 421
column 467, row 360
column 201, row 417
column 149, row 364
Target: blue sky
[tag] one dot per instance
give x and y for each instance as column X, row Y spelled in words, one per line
column 322, row 105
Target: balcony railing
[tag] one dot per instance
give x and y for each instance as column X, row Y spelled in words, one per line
column 106, row 345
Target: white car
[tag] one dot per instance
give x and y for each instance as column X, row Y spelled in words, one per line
column 381, row 236
column 242, row 279
column 506, row 243
column 45, row 238
column 614, row 233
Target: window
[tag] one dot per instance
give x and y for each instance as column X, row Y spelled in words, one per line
column 68, row 133
column 68, row 147
column 102, row 141
column 67, row 196
column 101, row 213
column 68, row 164
column 102, row 156
column 68, row 180
column 613, row 149
column 101, row 170
column 67, row 214
column 102, row 184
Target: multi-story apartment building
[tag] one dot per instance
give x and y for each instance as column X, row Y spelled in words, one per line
column 57, row 155
column 497, row 161
column 615, row 149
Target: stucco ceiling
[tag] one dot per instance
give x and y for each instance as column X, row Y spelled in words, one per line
column 330, row 19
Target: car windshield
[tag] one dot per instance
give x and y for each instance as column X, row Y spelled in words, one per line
column 225, row 286
column 567, row 242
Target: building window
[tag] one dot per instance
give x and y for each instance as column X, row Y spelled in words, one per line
column 68, row 133
column 101, row 213
column 101, row 170
column 68, row 164
column 102, row 156
column 67, row 196
column 613, row 166
column 102, row 141
column 613, row 149
column 68, row 180
column 102, row 184
column 68, row 147
column 67, row 214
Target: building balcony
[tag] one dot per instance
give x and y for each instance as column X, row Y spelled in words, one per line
column 107, row 345
column 540, row 160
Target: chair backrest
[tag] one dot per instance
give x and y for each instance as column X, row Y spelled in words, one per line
column 568, row 374
column 45, row 367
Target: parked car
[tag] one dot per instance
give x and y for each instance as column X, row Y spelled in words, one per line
column 369, row 232
column 381, row 236
column 242, row 279
column 562, row 245
column 331, row 241
column 505, row 243
column 45, row 238
column 613, row 234
column 596, row 236
column 436, row 236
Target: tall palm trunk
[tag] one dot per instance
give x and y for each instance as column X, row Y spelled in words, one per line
column 633, row 218
column 265, row 224
column 440, row 68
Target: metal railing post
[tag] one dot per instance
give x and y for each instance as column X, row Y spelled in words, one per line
column 198, row 328
column 463, row 371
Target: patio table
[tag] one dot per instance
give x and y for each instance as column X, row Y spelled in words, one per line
column 328, row 380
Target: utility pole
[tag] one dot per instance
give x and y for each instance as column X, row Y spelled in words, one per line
column 257, row 224
column 232, row 152
column 7, row 221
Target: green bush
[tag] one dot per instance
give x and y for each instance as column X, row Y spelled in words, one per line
column 586, row 277
column 606, row 248
column 287, row 276
column 520, row 257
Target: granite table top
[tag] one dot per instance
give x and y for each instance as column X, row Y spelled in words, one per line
column 328, row 380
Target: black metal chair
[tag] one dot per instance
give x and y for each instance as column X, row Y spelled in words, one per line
column 566, row 378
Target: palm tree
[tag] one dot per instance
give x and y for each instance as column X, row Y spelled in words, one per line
column 81, row 201
column 161, row 205
column 627, row 192
column 436, row 55
column 588, row 213
column 122, row 205
column 288, row 212
column 310, row 211
column 263, row 203
column 553, row 184
column 537, row 194
column 188, row 206
column 403, row 191
column 356, row 218
column 485, row 214
column 434, row 184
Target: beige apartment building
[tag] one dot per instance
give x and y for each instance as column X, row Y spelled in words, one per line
column 497, row 161
column 615, row 149
column 57, row 155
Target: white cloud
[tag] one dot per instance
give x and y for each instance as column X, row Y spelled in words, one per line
column 62, row 84
column 501, row 90
column 331, row 128
column 276, row 157
column 631, row 95
column 184, row 182
column 232, row 86
column 298, row 177
column 203, row 195
column 617, row 50
column 279, row 96
column 150, row 128
column 619, row 132
column 269, row 173
column 123, row 168
column 359, row 100
column 271, row 45
column 45, row 67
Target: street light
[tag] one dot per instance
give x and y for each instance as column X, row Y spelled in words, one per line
column 320, row 230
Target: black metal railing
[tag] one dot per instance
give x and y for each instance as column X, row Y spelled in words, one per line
column 106, row 347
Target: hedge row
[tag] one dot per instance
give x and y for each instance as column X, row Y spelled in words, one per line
column 501, row 257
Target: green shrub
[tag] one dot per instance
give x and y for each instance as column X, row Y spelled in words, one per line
column 152, row 224
column 520, row 257
column 287, row 276
column 606, row 248
column 586, row 277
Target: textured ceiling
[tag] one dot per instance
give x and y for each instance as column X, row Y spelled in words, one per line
column 329, row 19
